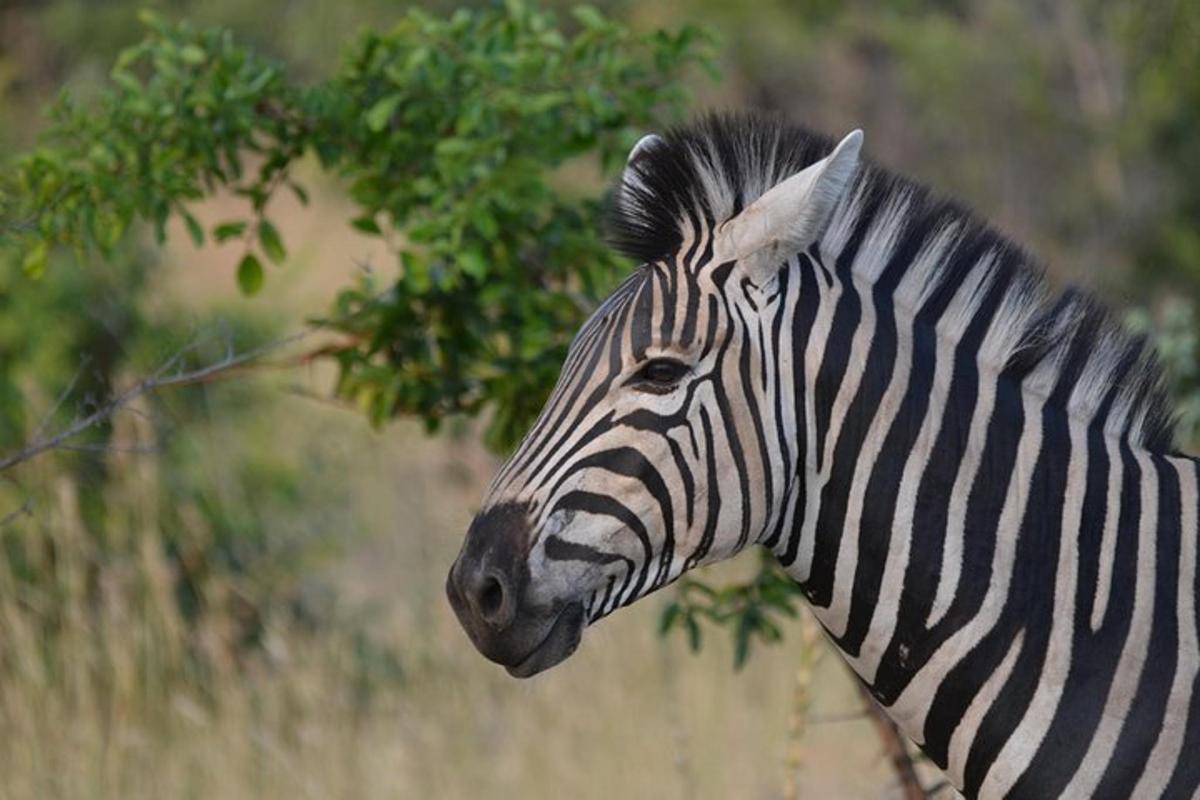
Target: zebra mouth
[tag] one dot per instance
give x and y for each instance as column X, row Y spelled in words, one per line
column 560, row 642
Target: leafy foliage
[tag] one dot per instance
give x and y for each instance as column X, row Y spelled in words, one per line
column 454, row 136
column 750, row 609
column 463, row 141
column 1164, row 76
column 1173, row 331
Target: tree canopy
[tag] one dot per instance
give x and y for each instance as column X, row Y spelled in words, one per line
column 456, row 137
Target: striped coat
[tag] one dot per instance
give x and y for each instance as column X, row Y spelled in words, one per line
column 971, row 478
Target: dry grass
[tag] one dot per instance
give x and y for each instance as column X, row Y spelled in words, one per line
column 629, row 714
column 112, row 712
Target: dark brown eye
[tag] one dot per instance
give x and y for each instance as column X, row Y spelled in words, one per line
column 659, row 375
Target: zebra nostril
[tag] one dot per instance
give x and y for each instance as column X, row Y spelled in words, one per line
column 491, row 597
column 492, row 601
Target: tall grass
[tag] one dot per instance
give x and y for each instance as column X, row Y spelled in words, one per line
column 136, row 663
column 131, row 668
column 107, row 690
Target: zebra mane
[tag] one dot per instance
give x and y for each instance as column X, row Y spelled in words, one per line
column 1064, row 345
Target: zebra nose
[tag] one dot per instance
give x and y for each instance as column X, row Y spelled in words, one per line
column 489, row 575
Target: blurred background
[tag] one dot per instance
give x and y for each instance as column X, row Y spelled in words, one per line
column 237, row 590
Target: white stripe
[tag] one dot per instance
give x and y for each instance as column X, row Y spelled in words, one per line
column 1021, row 746
column 911, row 708
column 1133, row 655
column 871, row 258
column 964, row 733
column 884, row 613
column 814, row 353
column 837, row 614
column 1167, row 748
column 956, row 515
column 1108, row 540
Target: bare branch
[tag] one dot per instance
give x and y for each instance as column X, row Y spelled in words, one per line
column 811, row 653
column 895, row 745
column 108, row 448
column 25, row 510
column 62, row 398
column 169, row 374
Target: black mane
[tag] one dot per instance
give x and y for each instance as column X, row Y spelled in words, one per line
column 713, row 168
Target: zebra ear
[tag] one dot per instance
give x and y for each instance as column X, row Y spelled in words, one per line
column 793, row 214
column 632, row 178
column 643, row 144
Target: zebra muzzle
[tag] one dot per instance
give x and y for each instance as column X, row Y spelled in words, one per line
column 488, row 589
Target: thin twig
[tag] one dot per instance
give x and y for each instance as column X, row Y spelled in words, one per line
column 169, row 374
column 62, row 398
column 894, row 745
column 25, row 510
column 811, row 653
column 109, row 448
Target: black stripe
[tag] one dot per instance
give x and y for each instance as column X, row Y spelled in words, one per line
column 632, row 464
column 603, row 505
column 931, row 515
column 1093, row 655
column 802, row 322
column 984, row 507
column 713, row 493
column 1030, row 604
column 1148, row 709
column 559, row 549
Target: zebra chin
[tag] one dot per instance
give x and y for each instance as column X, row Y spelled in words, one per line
column 560, row 642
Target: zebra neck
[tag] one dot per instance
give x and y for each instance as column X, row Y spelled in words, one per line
column 998, row 572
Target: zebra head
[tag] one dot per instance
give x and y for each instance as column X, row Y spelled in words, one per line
column 663, row 445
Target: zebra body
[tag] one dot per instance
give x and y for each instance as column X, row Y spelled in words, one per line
column 972, row 481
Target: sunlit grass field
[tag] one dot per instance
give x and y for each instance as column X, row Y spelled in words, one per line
column 113, row 713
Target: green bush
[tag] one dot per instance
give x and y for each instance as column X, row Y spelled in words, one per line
column 463, row 142
column 451, row 135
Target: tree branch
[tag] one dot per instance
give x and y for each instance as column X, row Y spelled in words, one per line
column 25, row 509
column 166, row 376
column 895, row 746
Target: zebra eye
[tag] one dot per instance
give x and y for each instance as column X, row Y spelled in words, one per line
column 659, row 375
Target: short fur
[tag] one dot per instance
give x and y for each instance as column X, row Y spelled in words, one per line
column 1069, row 346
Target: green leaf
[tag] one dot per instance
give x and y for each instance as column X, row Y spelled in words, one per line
column 700, row 587
column 229, row 230
column 250, row 275
column 34, row 263
column 272, row 244
column 194, row 229
column 150, row 19
column 693, row 632
column 300, row 192
column 667, row 620
column 193, row 54
column 366, row 224
column 589, row 17
column 473, row 263
column 741, row 642
column 381, row 113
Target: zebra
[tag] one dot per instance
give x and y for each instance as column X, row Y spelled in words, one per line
column 971, row 477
